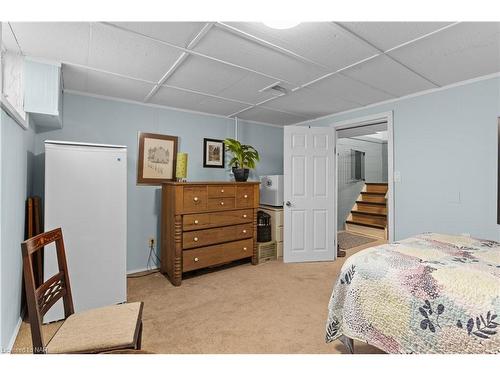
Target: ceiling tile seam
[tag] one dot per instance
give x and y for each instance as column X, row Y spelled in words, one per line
column 205, row 94
column 422, row 37
column 268, row 108
column 369, row 85
column 275, row 47
column 360, row 38
column 107, row 72
column 335, row 72
column 204, row 30
column 199, row 54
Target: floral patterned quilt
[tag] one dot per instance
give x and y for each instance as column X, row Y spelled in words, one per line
column 432, row 293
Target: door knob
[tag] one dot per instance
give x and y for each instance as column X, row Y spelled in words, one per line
column 288, row 204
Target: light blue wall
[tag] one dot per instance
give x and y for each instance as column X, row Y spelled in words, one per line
column 17, row 147
column 348, row 190
column 445, row 147
column 89, row 119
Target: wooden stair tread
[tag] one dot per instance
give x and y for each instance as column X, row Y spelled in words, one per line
column 365, row 225
column 375, row 203
column 377, row 183
column 368, row 213
column 371, row 193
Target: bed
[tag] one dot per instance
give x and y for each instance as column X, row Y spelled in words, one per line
column 432, row 293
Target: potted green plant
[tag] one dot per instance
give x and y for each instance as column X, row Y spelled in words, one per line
column 245, row 157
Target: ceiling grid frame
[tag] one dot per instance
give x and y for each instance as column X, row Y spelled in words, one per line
column 186, row 52
column 297, row 86
column 338, row 71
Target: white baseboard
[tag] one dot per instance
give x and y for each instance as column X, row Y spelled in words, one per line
column 142, row 270
column 14, row 335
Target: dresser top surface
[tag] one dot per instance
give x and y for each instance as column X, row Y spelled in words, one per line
column 212, row 183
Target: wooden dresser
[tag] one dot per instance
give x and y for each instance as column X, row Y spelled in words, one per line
column 206, row 224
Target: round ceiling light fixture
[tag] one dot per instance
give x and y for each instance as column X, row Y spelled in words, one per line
column 281, row 24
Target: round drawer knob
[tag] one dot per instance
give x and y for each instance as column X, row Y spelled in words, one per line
column 195, row 239
column 222, row 203
column 196, row 221
column 244, row 230
column 244, row 249
column 244, row 216
column 245, row 196
column 196, row 199
column 222, row 190
column 196, row 259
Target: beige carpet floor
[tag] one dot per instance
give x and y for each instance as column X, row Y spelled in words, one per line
column 269, row 308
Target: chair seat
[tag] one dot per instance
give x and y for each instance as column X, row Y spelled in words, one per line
column 98, row 330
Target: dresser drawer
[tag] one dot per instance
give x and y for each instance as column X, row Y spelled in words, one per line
column 214, row 255
column 216, row 219
column 220, row 203
column 205, row 237
column 217, row 191
column 195, row 198
column 244, row 196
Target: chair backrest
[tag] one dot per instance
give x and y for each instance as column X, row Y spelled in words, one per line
column 41, row 299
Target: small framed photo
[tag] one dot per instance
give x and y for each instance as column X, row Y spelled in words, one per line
column 156, row 158
column 213, row 153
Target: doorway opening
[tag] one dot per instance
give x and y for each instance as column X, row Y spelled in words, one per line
column 363, row 165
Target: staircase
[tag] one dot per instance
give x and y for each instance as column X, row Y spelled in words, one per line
column 369, row 214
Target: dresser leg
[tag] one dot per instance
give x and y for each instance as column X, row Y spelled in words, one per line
column 177, row 276
column 254, row 256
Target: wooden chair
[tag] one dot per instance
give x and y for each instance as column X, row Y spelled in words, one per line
column 115, row 327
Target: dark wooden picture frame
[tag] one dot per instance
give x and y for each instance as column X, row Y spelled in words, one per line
column 206, row 163
column 166, row 156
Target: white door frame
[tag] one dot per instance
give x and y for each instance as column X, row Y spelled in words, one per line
column 360, row 121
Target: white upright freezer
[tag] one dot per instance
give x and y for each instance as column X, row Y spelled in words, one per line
column 86, row 195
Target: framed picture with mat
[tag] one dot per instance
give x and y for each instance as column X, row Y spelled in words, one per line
column 213, row 153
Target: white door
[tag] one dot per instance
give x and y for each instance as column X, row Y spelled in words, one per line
column 309, row 194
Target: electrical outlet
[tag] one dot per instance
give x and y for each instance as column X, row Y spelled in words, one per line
column 151, row 242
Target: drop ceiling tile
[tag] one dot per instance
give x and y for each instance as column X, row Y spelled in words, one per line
column 310, row 103
column 90, row 81
column 248, row 89
column 338, row 86
column 178, row 33
column 8, row 40
column 124, row 53
column 171, row 97
column 59, row 41
column 228, row 47
column 219, row 106
column 176, row 98
column 269, row 116
column 205, row 75
column 386, row 35
column 461, row 52
column 389, row 76
column 317, row 41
